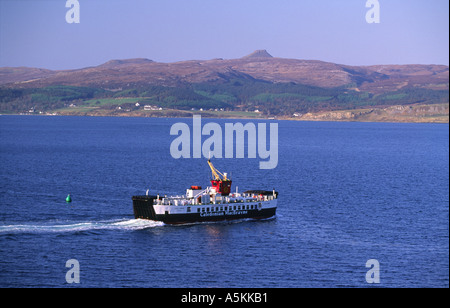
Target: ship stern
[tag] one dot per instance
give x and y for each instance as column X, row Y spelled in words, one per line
column 143, row 207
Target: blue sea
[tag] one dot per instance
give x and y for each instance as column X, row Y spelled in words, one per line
column 348, row 193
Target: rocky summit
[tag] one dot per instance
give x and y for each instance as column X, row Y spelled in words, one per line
column 262, row 53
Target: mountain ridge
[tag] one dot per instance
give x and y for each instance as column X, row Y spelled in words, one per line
column 257, row 85
column 258, row 65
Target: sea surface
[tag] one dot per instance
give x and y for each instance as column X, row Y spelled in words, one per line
column 348, row 193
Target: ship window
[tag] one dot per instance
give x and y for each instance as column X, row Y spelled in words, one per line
column 189, row 209
column 207, row 209
column 203, row 209
column 198, row 210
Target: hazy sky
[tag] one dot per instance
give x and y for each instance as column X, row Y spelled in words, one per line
column 35, row 33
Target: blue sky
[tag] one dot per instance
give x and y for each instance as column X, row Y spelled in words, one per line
column 35, row 33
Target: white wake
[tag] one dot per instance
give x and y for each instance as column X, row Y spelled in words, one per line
column 122, row 224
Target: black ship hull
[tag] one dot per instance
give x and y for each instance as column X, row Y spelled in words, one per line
column 143, row 208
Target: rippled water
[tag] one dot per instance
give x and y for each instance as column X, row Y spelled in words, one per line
column 349, row 192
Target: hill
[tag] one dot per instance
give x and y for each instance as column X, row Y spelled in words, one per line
column 273, row 86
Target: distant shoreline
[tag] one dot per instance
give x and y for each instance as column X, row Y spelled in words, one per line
column 437, row 114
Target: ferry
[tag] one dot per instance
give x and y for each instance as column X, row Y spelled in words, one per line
column 214, row 203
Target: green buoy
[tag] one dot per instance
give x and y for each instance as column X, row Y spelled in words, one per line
column 68, row 199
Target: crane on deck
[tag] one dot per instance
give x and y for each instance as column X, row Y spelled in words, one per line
column 220, row 182
column 217, row 175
